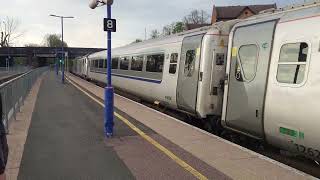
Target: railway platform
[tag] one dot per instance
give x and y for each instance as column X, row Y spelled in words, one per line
column 66, row 141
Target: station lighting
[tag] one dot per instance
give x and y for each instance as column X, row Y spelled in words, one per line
column 62, row 45
column 95, row 3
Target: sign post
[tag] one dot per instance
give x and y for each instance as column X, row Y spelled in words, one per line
column 109, row 26
column 56, row 62
column 109, row 89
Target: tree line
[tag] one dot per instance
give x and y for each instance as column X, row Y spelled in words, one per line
column 194, row 17
column 50, row 40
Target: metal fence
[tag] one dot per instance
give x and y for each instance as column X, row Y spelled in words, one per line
column 17, row 68
column 14, row 92
column 14, row 70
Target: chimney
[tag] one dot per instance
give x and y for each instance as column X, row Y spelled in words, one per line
column 214, row 15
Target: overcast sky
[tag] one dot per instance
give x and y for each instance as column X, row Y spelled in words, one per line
column 86, row 30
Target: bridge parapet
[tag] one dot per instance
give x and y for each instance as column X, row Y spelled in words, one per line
column 42, row 53
column 25, row 51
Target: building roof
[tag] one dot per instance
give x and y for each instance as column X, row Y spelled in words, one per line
column 232, row 12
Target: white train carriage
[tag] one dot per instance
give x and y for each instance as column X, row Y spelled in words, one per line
column 268, row 91
column 80, row 66
column 272, row 91
column 182, row 71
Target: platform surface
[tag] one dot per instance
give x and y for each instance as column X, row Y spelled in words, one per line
column 232, row 160
column 66, row 141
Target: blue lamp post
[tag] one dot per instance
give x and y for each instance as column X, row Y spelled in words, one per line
column 56, row 64
column 109, row 26
column 62, row 45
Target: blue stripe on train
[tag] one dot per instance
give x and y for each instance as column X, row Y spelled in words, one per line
column 138, row 78
column 132, row 77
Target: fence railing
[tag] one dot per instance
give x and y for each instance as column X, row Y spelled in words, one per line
column 17, row 69
column 14, row 92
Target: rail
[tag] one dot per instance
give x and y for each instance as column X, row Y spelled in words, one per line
column 14, row 92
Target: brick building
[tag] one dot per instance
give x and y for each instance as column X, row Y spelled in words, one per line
column 225, row 13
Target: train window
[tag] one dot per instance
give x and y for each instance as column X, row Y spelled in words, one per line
column 96, row 64
column 137, row 63
column 124, row 63
column 155, row 63
column 173, row 68
column 190, row 63
column 115, row 62
column 100, row 63
column 248, row 55
column 105, row 63
column 174, row 58
column 173, row 63
column 292, row 63
column 294, row 52
column 291, row 74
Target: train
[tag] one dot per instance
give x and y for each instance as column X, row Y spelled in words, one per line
column 258, row 77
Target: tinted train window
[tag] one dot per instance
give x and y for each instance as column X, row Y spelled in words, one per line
column 137, row 63
column 96, row 63
column 100, row 63
column 292, row 63
column 155, row 63
column 173, row 68
column 124, row 63
column 189, row 65
column 174, row 58
column 115, row 62
column 248, row 55
column 105, row 64
column 173, row 63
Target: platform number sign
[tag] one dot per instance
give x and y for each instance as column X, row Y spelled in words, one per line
column 110, row 25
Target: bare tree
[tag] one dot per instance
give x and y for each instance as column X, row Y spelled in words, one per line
column 9, row 31
column 167, row 30
column 154, row 34
column 197, row 17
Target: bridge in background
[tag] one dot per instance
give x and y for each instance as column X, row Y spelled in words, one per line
column 39, row 56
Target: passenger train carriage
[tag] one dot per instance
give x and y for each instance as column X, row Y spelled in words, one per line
column 259, row 76
column 182, row 71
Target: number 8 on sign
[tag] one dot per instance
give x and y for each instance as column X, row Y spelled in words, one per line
column 110, row 25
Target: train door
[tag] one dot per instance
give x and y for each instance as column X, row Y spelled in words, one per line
column 250, row 57
column 189, row 73
column 81, row 67
column 85, row 67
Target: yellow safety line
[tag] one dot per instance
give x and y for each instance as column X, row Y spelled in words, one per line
column 179, row 161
